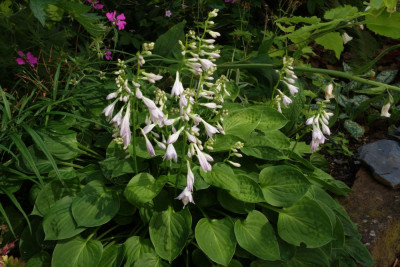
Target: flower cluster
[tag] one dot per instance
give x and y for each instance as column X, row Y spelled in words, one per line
column 319, row 121
column 288, row 78
column 118, row 20
column 163, row 126
column 28, row 59
column 107, row 53
column 95, row 4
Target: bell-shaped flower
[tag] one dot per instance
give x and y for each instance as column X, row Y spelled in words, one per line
column 186, row 197
column 310, row 120
column 148, row 128
column 210, row 130
column 385, row 110
column 189, row 177
column 173, row 137
column 108, row 111
column 160, row 144
column 202, row 159
column 149, row 146
column 329, row 92
column 346, row 38
column 125, row 131
column 214, row 34
column 292, row 88
column 112, row 95
column 118, row 117
column 171, row 153
column 177, row 89
column 286, row 100
column 206, row 64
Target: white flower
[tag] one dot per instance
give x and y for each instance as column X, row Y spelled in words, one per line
column 108, row 111
column 118, row 117
column 125, row 131
column 214, row 34
column 329, row 92
column 189, row 177
column 139, row 94
column 286, row 100
column 112, row 95
column 235, row 164
column 211, row 105
column 149, row 103
column 209, row 129
column 310, row 120
column 346, row 38
column 171, row 153
column 202, row 159
column 173, row 137
column 177, row 89
column 326, row 129
column 160, row 144
column 293, row 89
column 385, row 110
column 186, row 197
column 206, row 64
column 149, row 146
column 148, row 128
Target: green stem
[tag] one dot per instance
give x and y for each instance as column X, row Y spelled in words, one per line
column 269, row 207
column 108, row 231
column 313, row 70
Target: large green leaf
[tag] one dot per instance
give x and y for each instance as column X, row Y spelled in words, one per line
column 58, row 222
column 38, row 8
column 232, row 204
column 150, row 260
column 222, row 176
column 358, row 251
column 255, row 234
column 265, row 153
column 95, row 205
column 142, row 188
column 216, row 238
column 283, row 185
column 305, row 222
column 135, row 248
column 249, row 190
column 384, row 23
column 62, row 145
column 167, row 43
column 52, row 192
column 340, row 12
column 112, row 256
column 305, row 257
column 331, row 41
column 271, row 119
column 273, row 138
column 77, row 252
column 169, row 231
column 240, row 123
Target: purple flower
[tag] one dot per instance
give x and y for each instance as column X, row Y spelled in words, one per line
column 29, row 58
column 107, row 53
column 168, row 13
column 171, row 153
column 95, row 4
column 119, row 20
column 186, row 197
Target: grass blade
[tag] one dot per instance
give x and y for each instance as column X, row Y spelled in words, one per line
column 4, row 214
column 17, row 205
column 25, row 153
column 6, row 103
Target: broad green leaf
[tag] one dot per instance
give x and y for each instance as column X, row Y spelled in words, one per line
column 112, row 256
column 232, row 89
column 331, row 41
column 296, row 20
column 305, row 257
column 169, row 231
column 222, row 176
column 240, row 123
column 335, row 186
column 384, row 23
column 274, row 138
column 390, row 5
column 283, row 185
column 266, row 153
column 358, row 251
column 95, row 205
column 135, row 247
column 305, row 222
column 224, row 142
column 216, row 238
column 38, row 8
column 167, row 43
column 77, row 252
column 341, row 12
column 62, row 145
column 232, row 204
column 255, row 234
column 249, row 190
column 150, row 260
column 271, row 119
column 41, row 259
column 91, row 23
column 142, row 188
column 356, row 130
column 52, row 192
column 58, row 222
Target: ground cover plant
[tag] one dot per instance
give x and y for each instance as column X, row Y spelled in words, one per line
column 183, row 133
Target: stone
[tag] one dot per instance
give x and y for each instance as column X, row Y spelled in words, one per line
column 376, row 211
column 383, row 157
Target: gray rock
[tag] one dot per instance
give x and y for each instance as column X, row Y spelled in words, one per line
column 383, row 157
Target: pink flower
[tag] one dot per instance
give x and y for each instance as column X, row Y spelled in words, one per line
column 107, row 53
column 95, row 4
column 29, row 58
column 168, row 13
column 119, row 20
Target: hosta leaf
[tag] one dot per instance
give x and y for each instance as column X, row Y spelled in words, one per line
column 232, row 204
column 142, row 188
column 384, row 23
column 222, row 176
column 169, row 231
column 150, row 260
column 77, row 252
column 249, row 190
column 271, row 119
column 305, row 222
column 240, row 123
column 358, row 251
column 59, row 223
column 135, row 248
column 255, row 234
column 305, row 257
column 216, row 238
column 266, row 153
column 283, row 185
column 95, row 205
column 112, row 256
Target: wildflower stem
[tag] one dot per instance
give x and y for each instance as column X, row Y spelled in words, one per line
column 309, row 69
